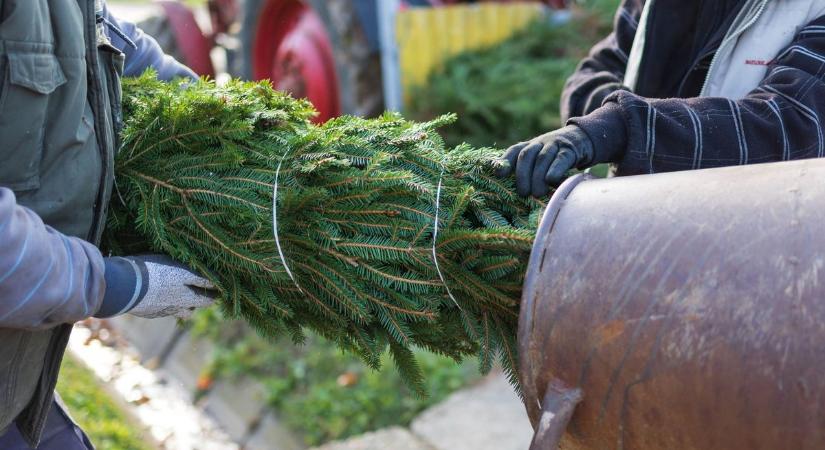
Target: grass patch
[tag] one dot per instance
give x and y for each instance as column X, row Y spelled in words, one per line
column 108, row 427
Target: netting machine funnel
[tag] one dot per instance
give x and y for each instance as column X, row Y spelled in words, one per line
column 679, row 311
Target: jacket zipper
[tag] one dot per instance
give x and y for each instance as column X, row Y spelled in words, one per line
column 728, row 40
column 93, row 69
column 698, row 64
column 100, row 124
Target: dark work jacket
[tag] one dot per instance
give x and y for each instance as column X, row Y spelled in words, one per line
column 60, row 118
column 665, row 126
column 59, row 121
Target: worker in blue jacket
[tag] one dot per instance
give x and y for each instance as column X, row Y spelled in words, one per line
column 683, row 85
column 59, row 123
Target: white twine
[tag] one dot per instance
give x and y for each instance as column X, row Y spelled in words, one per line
column 275, row 222
column 435, row 240
column 435, row 232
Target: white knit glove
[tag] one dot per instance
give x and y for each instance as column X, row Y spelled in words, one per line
column 173, row 289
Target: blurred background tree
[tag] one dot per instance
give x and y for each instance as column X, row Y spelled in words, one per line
column 511, row 92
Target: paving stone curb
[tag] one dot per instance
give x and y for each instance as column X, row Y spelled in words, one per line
column 394, row 438
column 489, row 416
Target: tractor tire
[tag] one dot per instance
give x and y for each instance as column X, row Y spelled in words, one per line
column 358, row 67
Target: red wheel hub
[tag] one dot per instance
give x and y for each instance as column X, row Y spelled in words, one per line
column 194, row 46
column 293, row 50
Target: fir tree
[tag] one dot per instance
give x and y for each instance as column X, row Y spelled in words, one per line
column 357, row 203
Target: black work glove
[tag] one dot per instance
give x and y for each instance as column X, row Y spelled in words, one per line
column 544, row 161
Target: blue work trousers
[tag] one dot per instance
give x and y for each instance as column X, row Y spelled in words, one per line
column 60, row 433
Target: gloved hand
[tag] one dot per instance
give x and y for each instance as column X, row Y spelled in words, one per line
column 543, row 161
column 172, row 289
column 152, row 286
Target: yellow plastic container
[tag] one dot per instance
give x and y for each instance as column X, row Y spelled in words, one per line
column 427, row 37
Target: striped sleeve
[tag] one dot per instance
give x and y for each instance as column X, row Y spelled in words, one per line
column 779, row 120
column 46, row 278
column 602, row 72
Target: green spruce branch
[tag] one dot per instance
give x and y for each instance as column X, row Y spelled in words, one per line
column 356, row 212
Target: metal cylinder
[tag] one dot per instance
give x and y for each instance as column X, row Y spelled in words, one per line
column 686, row 311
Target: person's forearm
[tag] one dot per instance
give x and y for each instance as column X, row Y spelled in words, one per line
column 775, row 122
column 780, row 119
column 126, row 284
column 46, row 278
column 142, row 51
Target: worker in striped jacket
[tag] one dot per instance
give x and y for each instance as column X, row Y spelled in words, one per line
column 684, row 85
